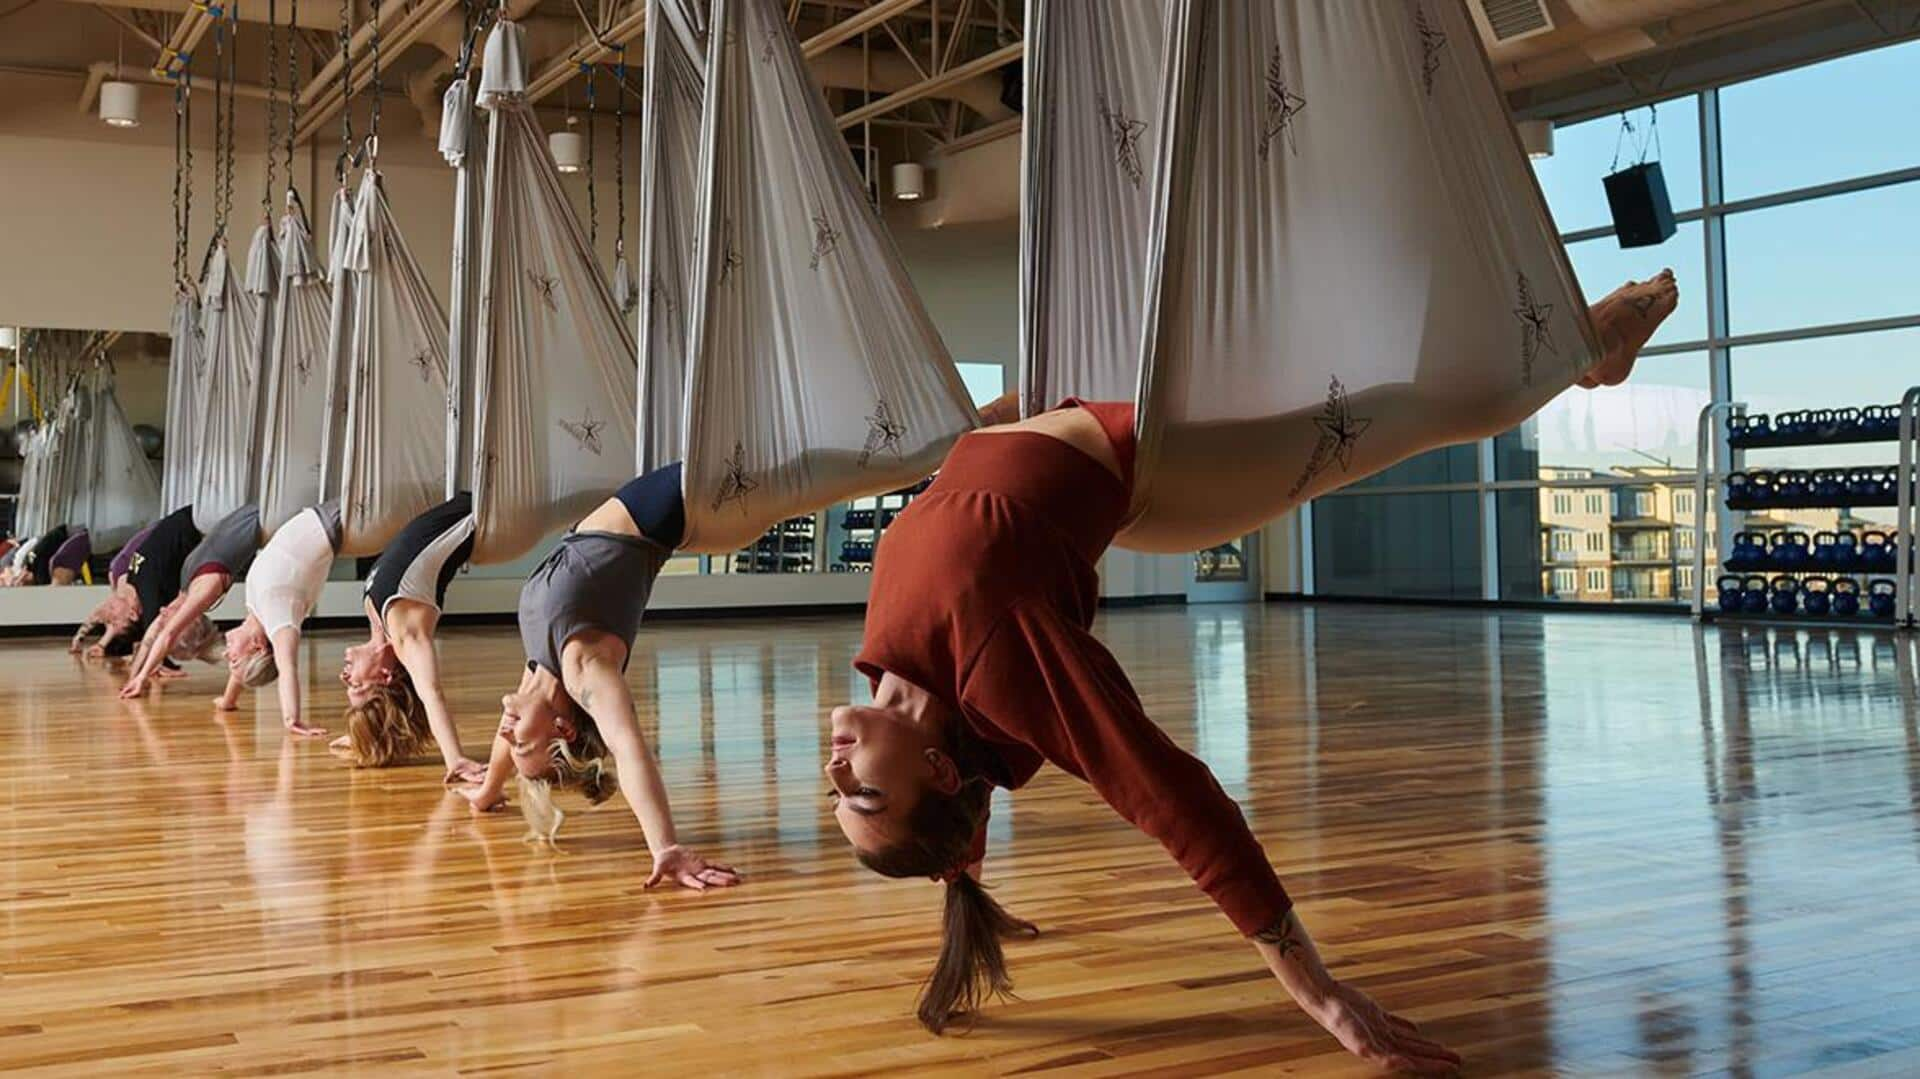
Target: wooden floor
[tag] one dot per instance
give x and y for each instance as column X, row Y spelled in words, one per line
column 1573, row 844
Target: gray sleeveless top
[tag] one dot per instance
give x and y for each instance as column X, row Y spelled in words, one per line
column 591, row 580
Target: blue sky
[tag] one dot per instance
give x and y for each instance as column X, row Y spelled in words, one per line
column 1833, row 260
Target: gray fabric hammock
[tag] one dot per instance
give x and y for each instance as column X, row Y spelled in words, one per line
column 815, row 375
column 184, row 360
column 669, row 208
column 554, row 366
column 85, row 467
column 223, row 448
column 1301, row 234
column 293, row 417
column 392, row 438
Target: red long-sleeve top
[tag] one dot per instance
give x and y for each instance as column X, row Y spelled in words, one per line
column 984, row 591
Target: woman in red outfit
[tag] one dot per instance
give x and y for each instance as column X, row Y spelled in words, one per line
column 983, row 667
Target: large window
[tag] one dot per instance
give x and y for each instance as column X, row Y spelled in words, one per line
column 1798, row 203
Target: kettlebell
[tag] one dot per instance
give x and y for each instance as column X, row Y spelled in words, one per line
column 1791, row 488
column 1739, row 490
column 1826, row 548
column 1846, row 596
column 1731, row 594
column 1827, row 486
column 1846, row 423
column 1785, row 595
column 1880, row 598
column 1880, row 421
column 1861, row 485
column 1749, row 550
column 1789, row 550
column 1760, row 490
column 1816, row 595
column 1753, row 594
column 1876, row 552
column 1846, row 551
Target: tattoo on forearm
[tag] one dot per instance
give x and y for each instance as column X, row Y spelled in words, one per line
column 1284, row 935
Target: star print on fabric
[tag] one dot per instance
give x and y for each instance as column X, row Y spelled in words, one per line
column 825, row 239
column 1432, row 41
column 1282, row 106
column 736, row 485
column 1339, row 429
column 586, row 431
column 1536, row 331
column 883, row 433
column 303, row 365
column 1125, row 132
column 730, row 260
column 424, row 362
column 546, row 285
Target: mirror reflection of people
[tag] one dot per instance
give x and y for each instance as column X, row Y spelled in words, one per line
column 983, row 667
column 68, row 563
column 282, row 587
column 395, row 705
column 32, row 561
column 570, row 724
column 208, row 571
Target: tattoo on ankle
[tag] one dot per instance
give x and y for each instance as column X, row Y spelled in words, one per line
column 1284, row 935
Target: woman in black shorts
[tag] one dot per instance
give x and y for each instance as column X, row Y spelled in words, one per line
column 394, row 704
column 572, row 715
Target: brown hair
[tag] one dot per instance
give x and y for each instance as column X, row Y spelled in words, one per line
column 390, row 727
column 940, row 843
column 583, row 763
column 259, row 669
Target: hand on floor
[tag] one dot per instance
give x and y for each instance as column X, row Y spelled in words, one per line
column 466, row 771
column 1380, row 1037
column 302, row 729
column 689, row 870
column 480, row 800
column 222, row 704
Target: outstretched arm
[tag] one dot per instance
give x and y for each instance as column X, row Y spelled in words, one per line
column 491, row 793
column 199, row 598
column 602, row 690
column 423, row 666
column 1002, row 409
column 286, row 656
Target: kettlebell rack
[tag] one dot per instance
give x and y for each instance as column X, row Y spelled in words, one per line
column 1863, row 576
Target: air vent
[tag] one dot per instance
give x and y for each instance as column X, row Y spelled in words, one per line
column 1512, row 20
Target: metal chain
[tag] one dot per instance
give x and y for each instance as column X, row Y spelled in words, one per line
column 293, row 84
column 233, row 81
column 346, row 99
column 373, row 124
column 273, row 117
column 620, row 155
column 593, row 207
column 179, row 178
column 222, row 131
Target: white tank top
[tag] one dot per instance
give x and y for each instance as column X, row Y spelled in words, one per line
column 286, row 577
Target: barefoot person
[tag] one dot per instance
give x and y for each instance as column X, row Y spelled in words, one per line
column 982, row 666
column 222, row 557
column 395, row 706
column 572, row 715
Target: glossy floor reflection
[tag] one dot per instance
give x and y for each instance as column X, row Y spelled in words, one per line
column 1564, row 843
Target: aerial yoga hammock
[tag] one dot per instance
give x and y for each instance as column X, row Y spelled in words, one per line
column 812, row 375
column 1315, row 303
column 85, row 468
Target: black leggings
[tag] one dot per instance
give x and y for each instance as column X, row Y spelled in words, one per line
column 653, row 501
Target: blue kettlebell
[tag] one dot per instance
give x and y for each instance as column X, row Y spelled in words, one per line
column 1827, row 486
column 1753, row 595
column 1876, row 552
column 1731, row 594
column 1749, row 550
column 1880, row 598
column 1784, row 596
column 1846, row 551
column 1816, row 595
column 1846, row 596
column 1739, row 491
column 1880, row 421
column 1789, row 550
column 1791, row 488
column 1846, row 423
column 1861, row 485
column 1760, row 488
column 1826, row 548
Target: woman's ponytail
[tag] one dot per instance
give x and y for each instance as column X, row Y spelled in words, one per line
column 972, row 965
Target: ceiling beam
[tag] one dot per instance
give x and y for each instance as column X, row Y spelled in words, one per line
column 857, row 24
column 400, row 26
column 987, row 134
column 998, row 58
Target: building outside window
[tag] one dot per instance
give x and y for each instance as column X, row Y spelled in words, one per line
column 1806, row 243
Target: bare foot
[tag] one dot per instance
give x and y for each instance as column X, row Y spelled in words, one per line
column 1625, row 319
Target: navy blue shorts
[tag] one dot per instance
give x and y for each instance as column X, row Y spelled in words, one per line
column 654, row 503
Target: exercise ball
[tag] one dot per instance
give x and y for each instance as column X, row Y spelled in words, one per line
column 150, row 438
